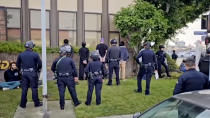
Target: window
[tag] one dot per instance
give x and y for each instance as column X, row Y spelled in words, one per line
column 93, row 6
column 36, row 19
column 13, row 18
column 93, row 22
column 65, row 34
column 36, row 37
column 111, row 23
column 92, row 39
column 67, row 20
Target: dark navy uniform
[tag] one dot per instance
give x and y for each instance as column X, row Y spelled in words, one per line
column 30, row 64
column 65, row 69
column 147, row 67
column 96, row 71
column 84, row 55
column 161, row 55
column 113, row 57
column 191, row 80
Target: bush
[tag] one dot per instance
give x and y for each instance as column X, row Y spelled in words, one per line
column 16, row 47
column 171, row 64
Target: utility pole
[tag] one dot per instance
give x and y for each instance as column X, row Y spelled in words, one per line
column 44, row 65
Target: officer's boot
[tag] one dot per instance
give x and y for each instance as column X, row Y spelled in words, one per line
column 62, row 107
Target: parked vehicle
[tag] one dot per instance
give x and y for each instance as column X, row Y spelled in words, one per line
column 185, row 105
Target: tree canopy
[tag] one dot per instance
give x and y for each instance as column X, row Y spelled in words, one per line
column 157, row 20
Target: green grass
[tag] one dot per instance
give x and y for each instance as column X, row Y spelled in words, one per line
column 116, row 100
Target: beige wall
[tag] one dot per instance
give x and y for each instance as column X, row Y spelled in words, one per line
column 93, row 6
column 10, row 3
column 67, row 5
column 36, row 4
column 116, row 5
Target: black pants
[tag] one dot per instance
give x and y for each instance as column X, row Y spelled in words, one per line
column 97, row 82
column 114, row 66
column 29, row 79
column 81, row 70
column 68, row 82
column 159, row 68
column 144, row 71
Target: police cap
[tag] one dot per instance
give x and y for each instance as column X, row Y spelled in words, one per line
column 113, row 41
column 161, row 46
column 29, row 44
column 147, row 44
column 95, row 55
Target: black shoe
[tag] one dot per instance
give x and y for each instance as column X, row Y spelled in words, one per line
column 39, row 105
column 168, row 75
column 87, row 104
column 147, row 93
column 98, row 104
column 118, row 84
column 62, row 107
column 137, row 91
column 77, row 104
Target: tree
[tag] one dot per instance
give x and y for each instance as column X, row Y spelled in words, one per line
column 141, row 22
column 157, row 20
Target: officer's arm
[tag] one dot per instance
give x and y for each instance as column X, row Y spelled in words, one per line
column 107, row 56
column 53, row 67
column 207, row 84
column 137, row 58
column 179, row 86
column 74, row 69
column 88, row 53
column 39, row 63
column 18, row 62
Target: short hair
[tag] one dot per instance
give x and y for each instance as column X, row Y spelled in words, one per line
column 66, row 41
column 190, row 62
column 122, row 43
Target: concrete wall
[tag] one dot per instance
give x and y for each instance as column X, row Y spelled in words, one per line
column 50, row 59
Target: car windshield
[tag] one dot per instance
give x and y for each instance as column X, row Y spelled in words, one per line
column 174, row 108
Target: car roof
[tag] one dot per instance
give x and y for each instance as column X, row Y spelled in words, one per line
column 200, row 98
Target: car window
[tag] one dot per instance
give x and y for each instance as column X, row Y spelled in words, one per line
column 174, row 108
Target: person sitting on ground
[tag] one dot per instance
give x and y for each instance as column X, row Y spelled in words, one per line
column 191, row 80
column 12, row 78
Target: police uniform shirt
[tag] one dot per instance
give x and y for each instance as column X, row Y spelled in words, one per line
column 84, row 53
column 204, row 65
column 113, row 53
column 161, row 55
column 29, row 59
column 191, row 80
column 148, row 56
column 65, row 65
column 11, row 75
column 102, row 49
column 96, row 66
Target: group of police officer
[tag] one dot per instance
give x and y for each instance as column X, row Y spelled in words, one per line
column 66, row 73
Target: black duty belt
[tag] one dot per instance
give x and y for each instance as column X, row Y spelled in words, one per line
column 27, row 70
column 64, row 74
column 147, row 65
column 113, row 60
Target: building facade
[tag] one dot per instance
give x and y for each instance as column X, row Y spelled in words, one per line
column 76, row 20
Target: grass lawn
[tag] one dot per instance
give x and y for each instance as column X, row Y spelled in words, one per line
column 116, row 100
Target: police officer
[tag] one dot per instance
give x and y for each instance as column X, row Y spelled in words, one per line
column 113, row 58
column 66, row 72
column 96, row 72
column 148, row 64
column 84, row 55
column 191, row 80
column 204, row 63
column 30, row 65
column 161, row 59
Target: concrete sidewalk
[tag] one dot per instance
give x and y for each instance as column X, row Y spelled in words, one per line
column 53, row 108
column 120, row 116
